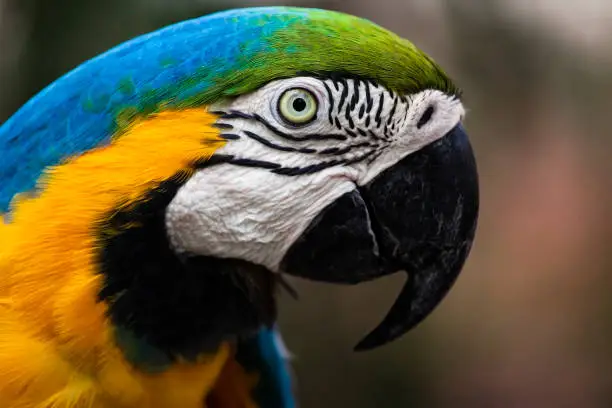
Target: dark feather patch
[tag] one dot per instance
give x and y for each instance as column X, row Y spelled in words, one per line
column 179, row 305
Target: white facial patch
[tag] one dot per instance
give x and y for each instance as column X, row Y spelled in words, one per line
column 279, row 176
column 249, row 213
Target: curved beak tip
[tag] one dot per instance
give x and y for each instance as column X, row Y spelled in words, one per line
column 438, row 240
column 418, row 216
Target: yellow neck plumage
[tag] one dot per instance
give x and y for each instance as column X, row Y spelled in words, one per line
column 56, row 345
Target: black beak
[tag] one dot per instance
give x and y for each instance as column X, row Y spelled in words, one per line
column 419, row 216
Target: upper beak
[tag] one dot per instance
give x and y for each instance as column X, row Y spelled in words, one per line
column 417, row 216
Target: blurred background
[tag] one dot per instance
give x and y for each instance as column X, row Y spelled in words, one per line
column 529, row 323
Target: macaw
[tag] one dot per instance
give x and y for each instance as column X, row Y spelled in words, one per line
column 154, row 197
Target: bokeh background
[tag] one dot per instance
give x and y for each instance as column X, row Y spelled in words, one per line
column 529, row 323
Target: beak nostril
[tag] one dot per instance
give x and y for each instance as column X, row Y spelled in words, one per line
column 426, row 117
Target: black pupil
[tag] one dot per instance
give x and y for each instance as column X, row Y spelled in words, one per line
column 299, row 104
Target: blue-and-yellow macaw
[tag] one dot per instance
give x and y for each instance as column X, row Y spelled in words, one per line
column 154, row 196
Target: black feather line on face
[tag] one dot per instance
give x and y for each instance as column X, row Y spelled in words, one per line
column 381, row 104
column 337, row 123
column 315, row 168
column 350, row 133
column 392, row 113
column 348, row 117
column 305, row 150
column 355, row 98
column 369, row 100
column 275, row 146
column 288, row 136
column 296, row 171
column 229, row 136
column 343, row 96
column 223, row 126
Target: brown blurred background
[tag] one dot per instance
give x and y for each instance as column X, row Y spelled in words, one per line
column 529, row 323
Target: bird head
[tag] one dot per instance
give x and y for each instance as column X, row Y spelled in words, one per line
column 327, row 148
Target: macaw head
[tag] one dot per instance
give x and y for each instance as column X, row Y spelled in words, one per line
column 320, row 145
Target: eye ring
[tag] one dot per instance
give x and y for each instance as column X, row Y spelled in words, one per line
column 298, row 106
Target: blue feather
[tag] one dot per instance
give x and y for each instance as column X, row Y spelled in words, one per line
column 78, row 112
column 265, row 353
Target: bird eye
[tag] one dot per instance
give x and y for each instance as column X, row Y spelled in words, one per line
column 298, row 106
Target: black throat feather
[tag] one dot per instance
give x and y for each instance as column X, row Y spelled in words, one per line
column 164, row 305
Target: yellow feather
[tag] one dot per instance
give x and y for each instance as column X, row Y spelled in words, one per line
column 56, row 346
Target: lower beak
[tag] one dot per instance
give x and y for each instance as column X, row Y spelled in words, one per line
column 418, row 216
